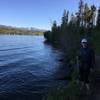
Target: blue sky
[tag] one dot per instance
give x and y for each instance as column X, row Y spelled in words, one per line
column 36, row 13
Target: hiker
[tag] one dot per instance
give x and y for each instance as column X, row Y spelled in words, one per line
column 86, row 63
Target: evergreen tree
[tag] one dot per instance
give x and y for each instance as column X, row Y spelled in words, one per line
column 93, row 15
column 54, row 32
column 54, row 26
column 65, row 18
column 73, row 20
column 80, row 13
column 98, row 20
column 86, row 16
column 48, row 36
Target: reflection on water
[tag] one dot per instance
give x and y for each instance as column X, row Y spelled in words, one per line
column 28, row 67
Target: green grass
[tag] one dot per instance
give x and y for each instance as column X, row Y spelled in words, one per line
column 72, row 90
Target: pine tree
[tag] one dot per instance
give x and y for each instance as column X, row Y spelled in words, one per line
column 80, row 13
column 65, row 18
column 98, row 20
column 93, row 16
column 86, row 15
column 54, row 32
column 54, row 26
column 73, row 20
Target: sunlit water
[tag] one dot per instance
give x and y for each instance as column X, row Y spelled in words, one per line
column 28, row 67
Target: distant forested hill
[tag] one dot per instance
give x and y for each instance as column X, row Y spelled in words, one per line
column 20, row 31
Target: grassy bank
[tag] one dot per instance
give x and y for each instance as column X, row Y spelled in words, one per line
column 72, row 90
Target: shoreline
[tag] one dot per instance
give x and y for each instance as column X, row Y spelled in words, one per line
column 24, row 34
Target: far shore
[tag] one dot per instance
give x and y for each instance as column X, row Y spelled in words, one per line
column 36, row 34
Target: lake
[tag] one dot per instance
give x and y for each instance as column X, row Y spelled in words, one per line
column 28, row 67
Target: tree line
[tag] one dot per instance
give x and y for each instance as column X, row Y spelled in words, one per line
column 84, row 23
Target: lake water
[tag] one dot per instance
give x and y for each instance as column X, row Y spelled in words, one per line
column 28, row 67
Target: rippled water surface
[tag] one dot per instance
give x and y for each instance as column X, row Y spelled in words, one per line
column 28, row 67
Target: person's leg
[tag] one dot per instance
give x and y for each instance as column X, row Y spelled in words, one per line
column 81, row 85
column 86, row 78
column 81, row 78
column 87, row 86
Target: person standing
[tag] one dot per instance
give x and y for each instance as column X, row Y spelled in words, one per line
column 86, row 59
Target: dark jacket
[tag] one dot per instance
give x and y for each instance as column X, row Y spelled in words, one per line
column 86, row 57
